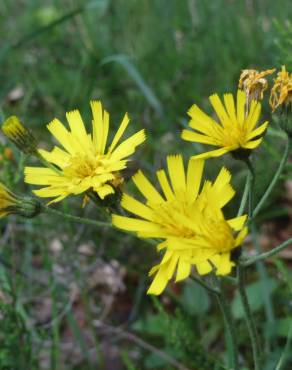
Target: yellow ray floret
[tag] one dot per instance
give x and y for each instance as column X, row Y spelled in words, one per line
column 235, row 130
column 188, row 217
column 83, row 163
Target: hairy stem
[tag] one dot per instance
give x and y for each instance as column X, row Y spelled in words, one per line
column 230, row 329
column 268, row 254
column 248, row 317
column 86, row 221
column 275, row 178
column 245, row 195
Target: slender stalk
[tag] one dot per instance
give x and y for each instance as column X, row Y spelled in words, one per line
column 245, row 195
column 230, row 330
column 86, row 221
column 275, row 178
column 250, row 186
column 268, row 254
column 248, row 316
column 205, row 285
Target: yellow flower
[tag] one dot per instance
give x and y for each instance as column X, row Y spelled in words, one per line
column 10, row 203
column 281, row 92
column 236, row 130
column 19, row 135
column 254, row 83
column 84, row 163
column 189, row 221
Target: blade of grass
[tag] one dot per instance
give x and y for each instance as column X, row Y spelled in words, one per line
column 79, row 337
column 137, row 78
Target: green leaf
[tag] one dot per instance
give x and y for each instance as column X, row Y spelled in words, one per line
column 195, row 299
column 152, row 324
column 255, row 297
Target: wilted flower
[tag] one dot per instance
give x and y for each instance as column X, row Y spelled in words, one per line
column 20, row 135
column 254, row 83
column 84, row 163
column 236, row 130
column 281, row 92
column 189, row 221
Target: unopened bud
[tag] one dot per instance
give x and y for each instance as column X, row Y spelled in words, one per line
column 20, row 135
column 11, row 203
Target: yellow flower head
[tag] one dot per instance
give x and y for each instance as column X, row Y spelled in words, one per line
column 19, row 135
column 236, row 130
column 189, row 220
column 281, row 93
column 254, row 83
column 84, row 163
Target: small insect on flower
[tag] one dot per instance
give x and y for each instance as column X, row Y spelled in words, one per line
column 281, row 92
column 19, row 135
column 11, row 203
column 188, row 220
column 236, row 131
column 84, row 163
column 254, row 83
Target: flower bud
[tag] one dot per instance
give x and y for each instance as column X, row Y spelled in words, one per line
column 20, row 135
column 10, row 203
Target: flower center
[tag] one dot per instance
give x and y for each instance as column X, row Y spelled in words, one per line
column 85, row 166
column 202, row 227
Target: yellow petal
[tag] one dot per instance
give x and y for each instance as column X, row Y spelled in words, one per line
column 257, row 132
column 183, row 270
column 212, row 153
column 165, row 184
column 197, row 138
column 237, row 223
column 58, row 130
column 127, row 147
column 132, row 224
column 159, row 282
column 241, row 101
column 253, row 144
column 230, row 107
column 97, row 125
column 134, row 206
column 57, row 156
column 202, row 122
column 78, row 130
column 119, row 133
column 241, row 236
column 194, row 177
column 176, row 173
column 203, row 268
column 224, row 265
column 220, row 110
column 42, row 176
column 146, row 188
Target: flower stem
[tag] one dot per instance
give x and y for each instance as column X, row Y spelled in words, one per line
column 268, row 254
column 86, row 221
column 250, row 186
column 245, row 195
column 205, row 285
column 248, row 316
column 275, row 178
column 230, row 330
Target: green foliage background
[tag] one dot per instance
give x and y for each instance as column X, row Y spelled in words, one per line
column 153, row 59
